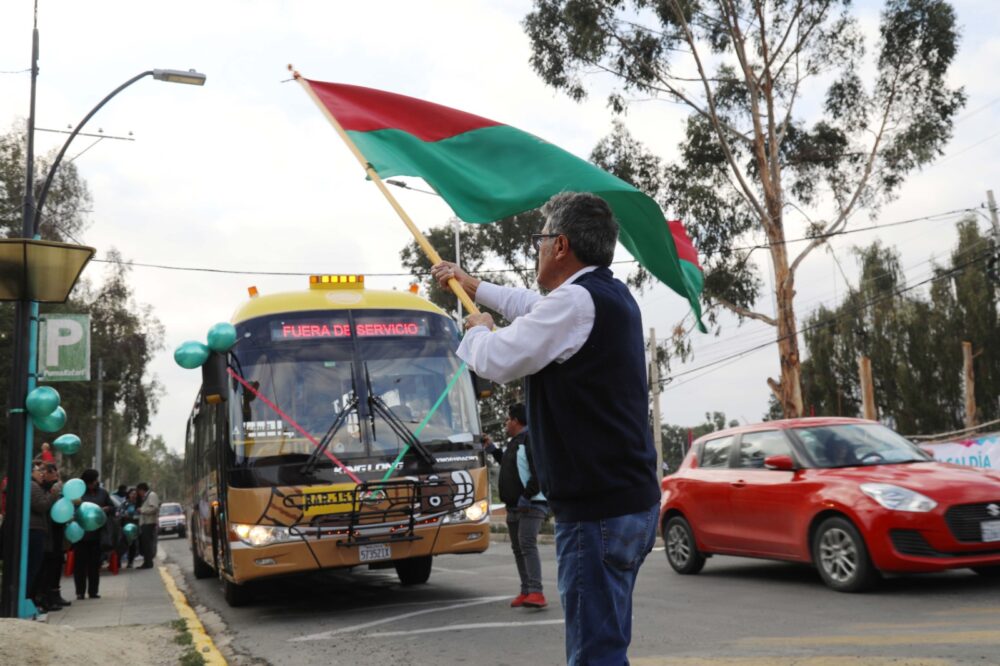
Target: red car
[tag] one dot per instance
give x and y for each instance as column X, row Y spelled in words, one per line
column 851, row 496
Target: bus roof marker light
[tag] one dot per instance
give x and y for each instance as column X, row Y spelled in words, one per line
column 349, row 281
column 253, row 292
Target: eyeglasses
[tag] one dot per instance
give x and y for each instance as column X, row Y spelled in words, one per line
column 536, row 239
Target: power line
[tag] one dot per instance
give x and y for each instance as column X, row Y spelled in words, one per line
column 898, row 292
column 203, row 269
column 766, row 330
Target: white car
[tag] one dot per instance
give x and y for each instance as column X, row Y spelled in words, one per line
column 172, row 519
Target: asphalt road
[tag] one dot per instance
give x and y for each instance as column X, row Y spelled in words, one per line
column 736, row 612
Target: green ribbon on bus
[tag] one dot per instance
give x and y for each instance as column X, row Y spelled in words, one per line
column 423, row 424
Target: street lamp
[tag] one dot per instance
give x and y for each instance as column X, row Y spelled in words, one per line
column 42, row 264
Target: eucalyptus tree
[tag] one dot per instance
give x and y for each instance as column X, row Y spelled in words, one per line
column 787, row 120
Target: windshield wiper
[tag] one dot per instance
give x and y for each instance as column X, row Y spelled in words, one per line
column 332, row 431
column 377, row 405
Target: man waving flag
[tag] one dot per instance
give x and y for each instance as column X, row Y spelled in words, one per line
column 486, row 171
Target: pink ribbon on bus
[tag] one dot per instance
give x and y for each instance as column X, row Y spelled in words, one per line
column 292, row 422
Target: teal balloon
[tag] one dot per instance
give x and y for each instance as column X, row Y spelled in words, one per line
column 131, row 531
column 222, row 337
column 42, row 401
column 90, row 516
column 51, row 423
column 62, row 510
column 74, row 489
column 191, row 354
column 67, row 444
column 73, row 532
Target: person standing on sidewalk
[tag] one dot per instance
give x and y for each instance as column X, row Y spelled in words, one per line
column 39, row 534
column 50, row 579
column 526, row 506
column 149, row 523
column 87, row 561
column 581, row 348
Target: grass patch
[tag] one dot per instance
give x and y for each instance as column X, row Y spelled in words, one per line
column 191, row 656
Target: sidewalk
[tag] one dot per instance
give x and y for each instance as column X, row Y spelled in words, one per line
column 133, row 620
column 134, row 596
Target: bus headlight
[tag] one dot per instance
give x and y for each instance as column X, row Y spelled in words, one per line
column 260, row 535
column 470, row 514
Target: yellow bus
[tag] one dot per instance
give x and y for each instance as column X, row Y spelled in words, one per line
column 340, row 430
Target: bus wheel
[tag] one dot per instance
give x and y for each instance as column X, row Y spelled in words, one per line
column 202, row 569
column 414, row 570
column 237, row 595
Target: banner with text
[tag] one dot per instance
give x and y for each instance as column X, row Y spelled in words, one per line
column 979, row 451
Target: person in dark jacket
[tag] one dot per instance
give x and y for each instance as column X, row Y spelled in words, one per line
column 39, row 534
column 87, row 569
column 581, row 349
column 49, row 589
column 526, row 506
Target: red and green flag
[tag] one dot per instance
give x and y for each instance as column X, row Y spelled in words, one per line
column 487, row 171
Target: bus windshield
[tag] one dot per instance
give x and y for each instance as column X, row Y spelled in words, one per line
column 315, row 381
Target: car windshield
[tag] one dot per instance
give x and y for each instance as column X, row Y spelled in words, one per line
column 171, row 510
column 857, row 444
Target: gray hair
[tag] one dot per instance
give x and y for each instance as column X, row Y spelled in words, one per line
column 587, row 221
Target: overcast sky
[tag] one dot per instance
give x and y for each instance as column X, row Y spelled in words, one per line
column 246, row 174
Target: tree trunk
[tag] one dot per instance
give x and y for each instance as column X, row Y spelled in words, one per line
column 790, row 386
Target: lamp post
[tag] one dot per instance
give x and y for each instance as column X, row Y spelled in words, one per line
column 51, row 260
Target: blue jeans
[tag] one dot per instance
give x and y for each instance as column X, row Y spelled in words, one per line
column 598, row 563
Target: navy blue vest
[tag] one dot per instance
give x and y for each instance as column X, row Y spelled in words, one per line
column 588, row 416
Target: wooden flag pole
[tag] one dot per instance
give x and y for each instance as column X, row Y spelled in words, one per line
column 420, row 238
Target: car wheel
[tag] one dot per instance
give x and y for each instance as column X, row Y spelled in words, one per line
column 842, row 558
column 987, row 572
column 237, row 595
column 414, row 570
column 682, row 553
column 182, row 533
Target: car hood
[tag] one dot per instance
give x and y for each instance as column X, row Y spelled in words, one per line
column 933, row 479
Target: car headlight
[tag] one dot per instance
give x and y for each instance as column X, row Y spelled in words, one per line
column 470, row 514
column 260, row 535
column 897, row 498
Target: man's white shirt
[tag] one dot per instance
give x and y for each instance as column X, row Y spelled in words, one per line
column 543, row 329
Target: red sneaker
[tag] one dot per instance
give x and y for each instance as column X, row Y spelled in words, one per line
column 518, row 601
column 535, row 600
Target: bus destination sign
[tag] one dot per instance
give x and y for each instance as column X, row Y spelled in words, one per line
column 364, row 327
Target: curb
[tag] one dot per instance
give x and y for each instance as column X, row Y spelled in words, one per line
column 202, row 641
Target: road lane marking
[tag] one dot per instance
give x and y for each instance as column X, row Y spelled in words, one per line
column 789, row 660
column 457, row 627
column 984, row 637
column 656, row 550
column 455, row 571
column 202, row 641
column 357, row 627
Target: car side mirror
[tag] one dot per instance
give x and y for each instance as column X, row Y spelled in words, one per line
column 784, row 463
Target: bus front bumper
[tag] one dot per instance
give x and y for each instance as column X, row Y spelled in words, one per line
column 308, row 553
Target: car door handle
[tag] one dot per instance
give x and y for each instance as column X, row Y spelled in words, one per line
column 739, row 484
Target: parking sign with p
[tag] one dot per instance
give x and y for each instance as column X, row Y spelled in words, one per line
column 64, row 348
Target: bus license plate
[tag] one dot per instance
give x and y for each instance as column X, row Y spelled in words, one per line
column 991, row 530
column 373, row 552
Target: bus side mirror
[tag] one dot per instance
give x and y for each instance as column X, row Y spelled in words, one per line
column 214, row 378
column 482, row 387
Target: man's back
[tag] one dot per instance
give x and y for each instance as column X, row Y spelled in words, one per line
column 595, row 456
